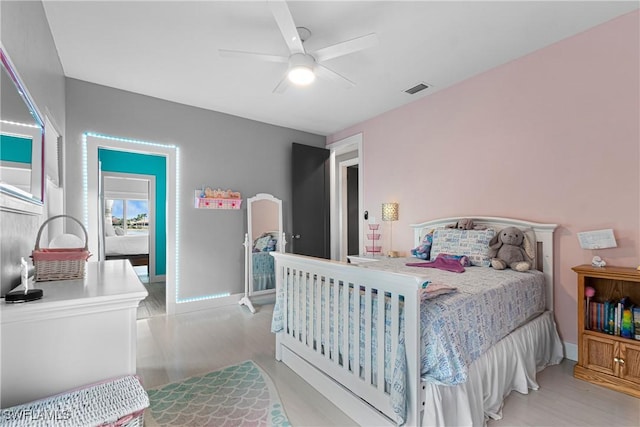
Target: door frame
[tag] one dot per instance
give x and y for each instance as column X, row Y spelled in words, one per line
column 91, row 143
column 151, row 200
column 338, row 199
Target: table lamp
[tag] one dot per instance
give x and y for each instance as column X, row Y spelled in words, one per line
column 390, row 213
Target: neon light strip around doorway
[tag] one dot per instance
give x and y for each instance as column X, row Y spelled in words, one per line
column 85, row 187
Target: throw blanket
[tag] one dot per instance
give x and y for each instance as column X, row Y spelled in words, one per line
column 454, row 263
column 433, row 290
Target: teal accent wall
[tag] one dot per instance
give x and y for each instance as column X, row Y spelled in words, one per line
column 144, row 164
column 15, row 149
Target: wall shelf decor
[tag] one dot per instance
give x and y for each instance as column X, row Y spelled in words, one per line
column 217, row 199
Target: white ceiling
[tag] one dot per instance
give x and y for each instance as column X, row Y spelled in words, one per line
column 169, row 50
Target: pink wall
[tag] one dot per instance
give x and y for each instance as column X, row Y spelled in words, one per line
column 551, row 137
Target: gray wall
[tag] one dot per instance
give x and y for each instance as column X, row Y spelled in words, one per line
column 217, row 150
column 26, row 36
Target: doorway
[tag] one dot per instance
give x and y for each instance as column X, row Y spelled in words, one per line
column 129, row 207
column 347, row 197
column 310, row 190
column 158, row 160
column 353, row 231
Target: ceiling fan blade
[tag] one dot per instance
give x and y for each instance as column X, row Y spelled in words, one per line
column 345, row 48
column 282, row 86
column 326, row 73
column 225, row 53
column 283, row 18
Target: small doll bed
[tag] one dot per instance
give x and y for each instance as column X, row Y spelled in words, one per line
column 311, row 313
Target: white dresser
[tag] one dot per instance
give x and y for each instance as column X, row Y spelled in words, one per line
column 82, row 331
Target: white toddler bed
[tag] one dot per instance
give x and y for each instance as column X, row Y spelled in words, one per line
column 312, row 338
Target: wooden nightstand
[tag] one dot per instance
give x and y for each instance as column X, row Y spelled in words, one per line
column 604, row 358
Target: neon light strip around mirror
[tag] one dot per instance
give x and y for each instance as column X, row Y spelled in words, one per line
column 27, row 125
column 85, row 187
column 7, row 64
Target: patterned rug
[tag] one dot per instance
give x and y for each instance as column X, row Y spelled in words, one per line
column 240, row 395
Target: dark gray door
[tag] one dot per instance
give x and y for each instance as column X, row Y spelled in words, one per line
column 353, row 232
column 310, row 201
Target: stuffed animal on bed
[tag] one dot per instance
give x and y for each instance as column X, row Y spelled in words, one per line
column 466, row 224
column 511, row 248
column 424, row 250
column 271, row 245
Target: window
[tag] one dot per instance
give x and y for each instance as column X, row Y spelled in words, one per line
column 131, row 215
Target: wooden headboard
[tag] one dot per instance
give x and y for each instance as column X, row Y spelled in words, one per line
column 543, row 232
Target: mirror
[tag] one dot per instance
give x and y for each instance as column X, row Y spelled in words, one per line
column 21, row 138
column 264, row 235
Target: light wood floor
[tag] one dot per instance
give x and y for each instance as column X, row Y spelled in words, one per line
column 155, row 303
column 172, row 348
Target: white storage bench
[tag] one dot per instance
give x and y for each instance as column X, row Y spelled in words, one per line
column 117, row 402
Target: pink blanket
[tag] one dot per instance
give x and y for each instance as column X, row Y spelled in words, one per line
column 443, row 263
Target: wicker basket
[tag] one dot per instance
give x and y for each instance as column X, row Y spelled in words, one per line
column 116, row 402
column 63, row 263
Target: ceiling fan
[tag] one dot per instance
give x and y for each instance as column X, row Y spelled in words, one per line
column 304, row 66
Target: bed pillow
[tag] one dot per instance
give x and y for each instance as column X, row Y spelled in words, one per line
column 119, row 231
column 472, row 243
column 261, row 242
column 108, row 228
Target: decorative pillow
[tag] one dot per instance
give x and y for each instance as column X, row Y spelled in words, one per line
column 424, row 250
column 271, row 245
column 262, row 242
column 472, row 243
column 119, row 231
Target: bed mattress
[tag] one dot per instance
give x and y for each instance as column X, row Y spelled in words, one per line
column 133, row 244
column 458, row 327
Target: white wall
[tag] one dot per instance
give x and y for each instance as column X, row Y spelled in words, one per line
column 22, row 25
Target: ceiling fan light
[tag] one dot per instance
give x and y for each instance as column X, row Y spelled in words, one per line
column 301, row 75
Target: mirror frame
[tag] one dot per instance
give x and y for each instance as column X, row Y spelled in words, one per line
column 8, row 191
column 281, row 240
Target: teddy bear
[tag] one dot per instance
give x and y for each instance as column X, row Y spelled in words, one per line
column 511, row 248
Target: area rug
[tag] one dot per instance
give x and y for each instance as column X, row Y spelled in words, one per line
column 239, row 395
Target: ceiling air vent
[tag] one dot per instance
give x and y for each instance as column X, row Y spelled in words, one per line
column 417, row 88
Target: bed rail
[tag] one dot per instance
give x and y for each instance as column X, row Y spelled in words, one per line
column 326, row 337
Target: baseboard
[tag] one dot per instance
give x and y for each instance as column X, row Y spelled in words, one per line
column 203, row 304
column 570, row 351
column 159, row 278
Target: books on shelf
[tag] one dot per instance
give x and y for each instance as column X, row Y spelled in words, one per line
column 620, row 318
